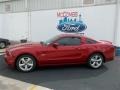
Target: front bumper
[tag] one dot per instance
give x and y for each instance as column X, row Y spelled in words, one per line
column 9, row 60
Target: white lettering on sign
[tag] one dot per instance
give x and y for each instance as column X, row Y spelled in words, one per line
column 70, row 28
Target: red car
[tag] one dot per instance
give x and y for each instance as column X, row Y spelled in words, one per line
column 60, row 50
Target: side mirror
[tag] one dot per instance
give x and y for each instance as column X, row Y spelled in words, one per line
column 55, row 45
column 41, row 42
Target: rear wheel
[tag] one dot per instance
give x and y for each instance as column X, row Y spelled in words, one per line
column 2, row 45
column 26, row 63
column 96, row 61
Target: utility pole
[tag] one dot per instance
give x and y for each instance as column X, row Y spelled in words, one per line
column 117, row 25
column 29, row 20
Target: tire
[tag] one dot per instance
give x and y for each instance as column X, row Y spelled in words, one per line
column 96, row 61
column 2, row 45
column 26, row 63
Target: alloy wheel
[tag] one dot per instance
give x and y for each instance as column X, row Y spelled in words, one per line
column 96, row 61
column 26, row 63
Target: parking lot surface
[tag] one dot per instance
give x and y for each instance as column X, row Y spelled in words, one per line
column 68, row 77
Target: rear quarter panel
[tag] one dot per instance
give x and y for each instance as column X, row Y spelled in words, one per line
column 106, row 50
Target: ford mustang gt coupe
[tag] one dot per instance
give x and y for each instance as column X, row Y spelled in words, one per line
column 62, row 49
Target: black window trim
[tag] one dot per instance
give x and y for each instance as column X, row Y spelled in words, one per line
column 68, row 37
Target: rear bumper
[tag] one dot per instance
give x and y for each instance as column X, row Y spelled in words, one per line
column 110, row 55
column 110, row 59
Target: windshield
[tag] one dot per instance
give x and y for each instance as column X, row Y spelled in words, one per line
column 50, row 40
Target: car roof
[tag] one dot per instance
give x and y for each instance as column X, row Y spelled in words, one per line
column 70, row 35
column 75, row 35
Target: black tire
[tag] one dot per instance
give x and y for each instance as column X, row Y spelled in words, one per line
column 96, row 60
column 20, row 62
column 2, row 45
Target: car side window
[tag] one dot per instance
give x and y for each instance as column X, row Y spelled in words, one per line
column 90, row 41
column 69, row 41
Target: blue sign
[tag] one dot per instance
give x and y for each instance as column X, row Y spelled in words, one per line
column 71, row 25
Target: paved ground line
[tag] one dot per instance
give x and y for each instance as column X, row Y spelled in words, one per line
column 13, row 84
column 33, row 87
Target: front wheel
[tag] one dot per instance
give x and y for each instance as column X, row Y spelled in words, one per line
column 26, row 63
column 96, row 61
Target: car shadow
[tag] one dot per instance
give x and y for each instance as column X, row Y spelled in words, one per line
column 51, row 74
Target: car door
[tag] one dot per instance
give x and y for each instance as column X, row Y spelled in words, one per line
column 67, row 51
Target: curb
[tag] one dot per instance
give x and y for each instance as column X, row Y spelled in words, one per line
column 13, row 84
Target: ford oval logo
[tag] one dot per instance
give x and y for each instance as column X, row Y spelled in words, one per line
column 71, row 25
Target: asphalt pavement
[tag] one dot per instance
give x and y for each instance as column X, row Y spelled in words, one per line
column 69, row 77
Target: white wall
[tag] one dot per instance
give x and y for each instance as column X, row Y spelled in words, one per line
column 117, row 36
column 15, row 26
column 99, row 19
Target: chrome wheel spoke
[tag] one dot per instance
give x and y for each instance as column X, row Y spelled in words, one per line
column 97, row 64
column 26, row 67
column 93, row 63
column 96, row 57
column 28, row 60
column 21, row 65
column 30, row 64
column 23, row 60
column 99, row 59
column 92, row 59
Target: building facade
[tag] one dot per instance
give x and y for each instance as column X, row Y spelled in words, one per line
column 38, row 20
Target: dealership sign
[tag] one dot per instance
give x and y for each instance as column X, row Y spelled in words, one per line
column 70, row 22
